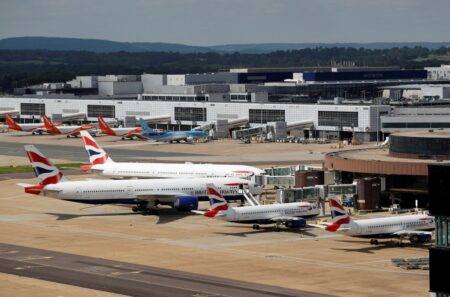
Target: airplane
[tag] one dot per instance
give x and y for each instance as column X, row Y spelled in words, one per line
column 182, row 194
column 414, row 227
column 63, row 129
column 120, row 132
column 34, row 128
column 101, row 162
column 170, row 136
column 292, row 215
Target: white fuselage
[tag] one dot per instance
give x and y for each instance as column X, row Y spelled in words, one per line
column 68, row 129
column 389, row 225
column 266, row 213
column 163, row 190
column 178, row 170
column 123, row 131
column 31, row 127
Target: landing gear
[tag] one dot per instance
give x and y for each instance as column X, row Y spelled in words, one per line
column 373, row 241
column 255, row 227
column 123, row 138
column 144, row 207
column 68, row 136
column 277, row 227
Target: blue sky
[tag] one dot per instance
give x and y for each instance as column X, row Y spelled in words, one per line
column 207, row 22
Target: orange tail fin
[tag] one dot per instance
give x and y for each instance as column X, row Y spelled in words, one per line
column 106, row 129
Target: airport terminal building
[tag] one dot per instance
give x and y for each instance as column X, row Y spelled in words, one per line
column 329, row 120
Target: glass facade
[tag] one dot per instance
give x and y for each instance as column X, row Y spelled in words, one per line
column 417, row 125
column 338, row 118
column 443, row 231
column 106, row 111
column 32, row 109
column 194, row 114
column 263, row 116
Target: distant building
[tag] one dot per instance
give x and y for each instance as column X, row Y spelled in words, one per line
column 417, row 91
column 438, row 73
column 119, row 85
column 416, row 118
column 362, row 75
column 84, row 82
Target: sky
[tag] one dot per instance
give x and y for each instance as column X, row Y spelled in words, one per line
column 209, row 22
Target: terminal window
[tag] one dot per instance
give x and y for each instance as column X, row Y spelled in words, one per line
column 194, row 114
column 32, row 109
column 263, row 116
column 406, row 125
column 106, row 111
column 338, row 118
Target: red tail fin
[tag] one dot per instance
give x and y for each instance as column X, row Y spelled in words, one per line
column 106, row 129
column 49, row 126
column 11, row 123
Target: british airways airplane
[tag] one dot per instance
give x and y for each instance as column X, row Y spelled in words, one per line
column 101, row 162
column 170, row 136
column 292, row 215
column 180, row 193
column 415, row 227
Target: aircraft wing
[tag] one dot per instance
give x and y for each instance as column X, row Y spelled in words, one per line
column 199, row 212
column 159, row 196
column 135, row 134
column 23, row 185
column 285, row 219
column 408, row 233
column 325, row 225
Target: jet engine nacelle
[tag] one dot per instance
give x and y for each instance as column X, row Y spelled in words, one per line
column 420, row 238
column 186, row 203
column 296, row 224
column 190, row 139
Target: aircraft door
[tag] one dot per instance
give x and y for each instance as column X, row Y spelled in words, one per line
column 130, row 192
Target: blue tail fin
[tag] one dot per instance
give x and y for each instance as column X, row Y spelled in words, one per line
column 145, row 127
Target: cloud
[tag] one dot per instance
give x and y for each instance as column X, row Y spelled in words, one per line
column 229, row 21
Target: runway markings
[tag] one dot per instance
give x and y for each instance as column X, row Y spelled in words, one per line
column 31, row 258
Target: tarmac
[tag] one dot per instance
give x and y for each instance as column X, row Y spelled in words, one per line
column 223, row 151
column 126, row 278
column 50, row 247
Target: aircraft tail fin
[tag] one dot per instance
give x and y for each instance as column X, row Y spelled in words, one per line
column 104, row 127
column 11, row 123
column 216, row 200
column 338, row 214
column 43, row 168
column 50, row 126
column 96, row 154
column 145, row 126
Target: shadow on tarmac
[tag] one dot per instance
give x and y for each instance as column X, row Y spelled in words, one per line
column 266, row 229
column 164, row 215
column 385, row 244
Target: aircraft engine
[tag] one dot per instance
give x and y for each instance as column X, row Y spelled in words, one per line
column 296, row 224
column 186, row 203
